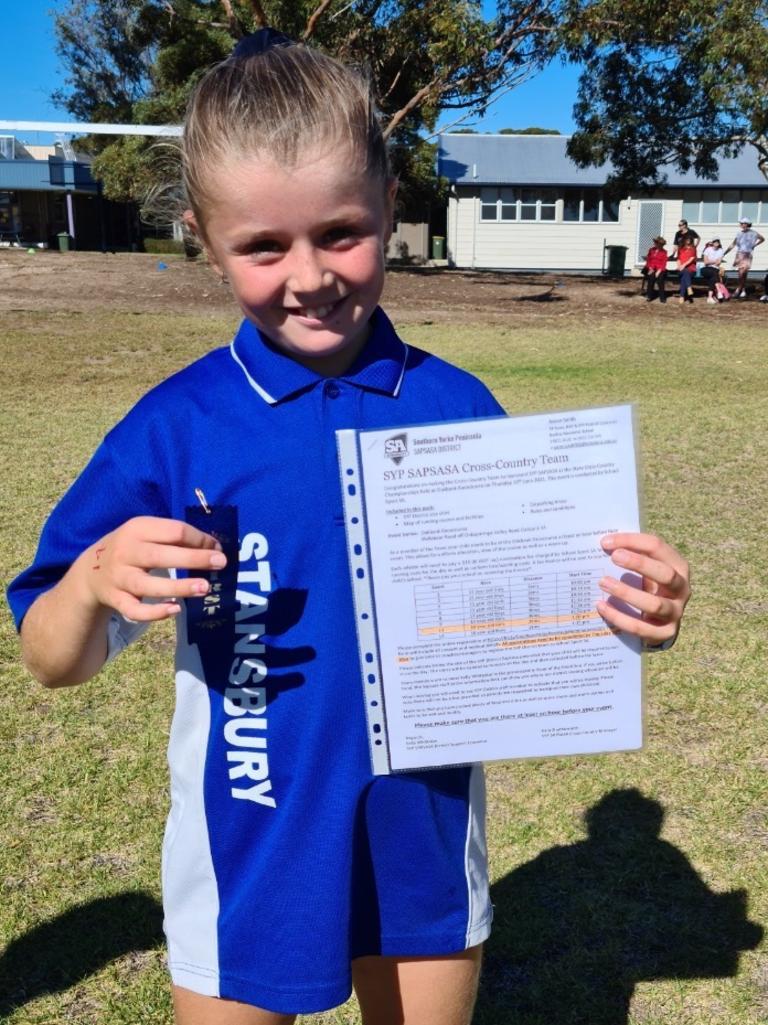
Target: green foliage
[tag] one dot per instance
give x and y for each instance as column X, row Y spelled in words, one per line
column 663, row 85
column 124, row 168
column 529, row 131
column 137, row 61
column 163, row 245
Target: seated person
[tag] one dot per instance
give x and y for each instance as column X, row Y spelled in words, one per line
column 655, row 270
column 712, row 255
column 686, row 264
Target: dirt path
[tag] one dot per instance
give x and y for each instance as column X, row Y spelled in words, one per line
column 138, row 282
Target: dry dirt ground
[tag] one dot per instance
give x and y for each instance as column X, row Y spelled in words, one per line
column 137, row 282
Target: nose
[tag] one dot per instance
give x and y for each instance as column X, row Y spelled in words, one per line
column 308, row 273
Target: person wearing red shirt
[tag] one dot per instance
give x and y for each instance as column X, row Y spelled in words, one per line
column 686, row 264
column 656, row 270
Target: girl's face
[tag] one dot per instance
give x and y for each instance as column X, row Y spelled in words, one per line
column 303, row 249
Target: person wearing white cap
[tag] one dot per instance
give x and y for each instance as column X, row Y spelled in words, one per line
column 745, row 244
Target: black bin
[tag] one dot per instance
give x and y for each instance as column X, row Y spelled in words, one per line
column 617, row 257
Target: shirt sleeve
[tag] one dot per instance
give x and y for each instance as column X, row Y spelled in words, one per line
column 486, row 404
column 99, row 501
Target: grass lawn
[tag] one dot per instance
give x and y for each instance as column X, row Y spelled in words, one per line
column 624, row 885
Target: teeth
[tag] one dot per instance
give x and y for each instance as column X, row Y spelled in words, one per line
column 315, row 312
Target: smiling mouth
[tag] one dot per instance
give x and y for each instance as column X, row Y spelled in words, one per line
column 314, row 312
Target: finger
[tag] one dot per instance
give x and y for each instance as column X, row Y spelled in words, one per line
column 646, row 544
column 635, row 626
column 131, row 608
column 657, row 576
column 165, row 531
column 167, row 556
column 661, row 573
column 654, row 606
column 140, row 584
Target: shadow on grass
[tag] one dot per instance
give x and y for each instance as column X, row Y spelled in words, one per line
column 57, row 954
column 579, row 926
column 576, row 928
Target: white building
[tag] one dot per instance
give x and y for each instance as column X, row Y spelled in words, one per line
column 518, row 203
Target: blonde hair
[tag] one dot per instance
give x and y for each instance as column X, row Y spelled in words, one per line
column 280, row 103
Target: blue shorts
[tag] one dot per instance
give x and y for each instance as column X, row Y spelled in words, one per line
column 395, row 866
column 284, row 857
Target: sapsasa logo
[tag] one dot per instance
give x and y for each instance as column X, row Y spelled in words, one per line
column 396, row 448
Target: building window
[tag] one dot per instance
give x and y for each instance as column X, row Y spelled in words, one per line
column 589, row 205
column 510, row 204
column 498, row 204
column 750, row 205
column 724, row 206
column 489, row 204
column 9, row 213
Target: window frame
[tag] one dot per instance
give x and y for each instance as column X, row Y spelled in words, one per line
column 509, row 199
column 693, row 209
column 602, row 205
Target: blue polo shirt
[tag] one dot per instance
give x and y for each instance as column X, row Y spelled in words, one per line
column 284, row 858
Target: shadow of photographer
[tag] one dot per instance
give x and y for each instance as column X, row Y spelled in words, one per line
column 579, row 926
column 576, row 928
column 56, row 954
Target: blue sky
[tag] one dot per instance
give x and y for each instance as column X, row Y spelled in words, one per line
column 29, row 72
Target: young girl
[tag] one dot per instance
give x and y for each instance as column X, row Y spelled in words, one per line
column 289, row 872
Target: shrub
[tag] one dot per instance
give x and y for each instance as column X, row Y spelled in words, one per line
column 163, row 245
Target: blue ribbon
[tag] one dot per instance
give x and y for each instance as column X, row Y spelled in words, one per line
column 259, row 42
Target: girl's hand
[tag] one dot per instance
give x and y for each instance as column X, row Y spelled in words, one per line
column 116, row 570
column 661, row 598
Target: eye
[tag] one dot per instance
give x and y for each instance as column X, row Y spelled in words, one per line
column 259, row 249
column 264, row 246
column 342, row 234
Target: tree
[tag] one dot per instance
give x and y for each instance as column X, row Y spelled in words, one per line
column 668, row 85
column 137, row 60
column 533, row 130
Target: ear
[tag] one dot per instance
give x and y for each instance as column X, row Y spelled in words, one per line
column 192, row 225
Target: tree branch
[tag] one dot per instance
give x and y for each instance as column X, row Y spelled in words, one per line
column 315, row 17
column 393, row 83
column 414, row 101
column 260, row 19
column 233, row 22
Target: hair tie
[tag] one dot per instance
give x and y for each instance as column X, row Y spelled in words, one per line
column 259, row 42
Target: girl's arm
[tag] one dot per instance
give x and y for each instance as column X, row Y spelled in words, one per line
column 64, row 633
